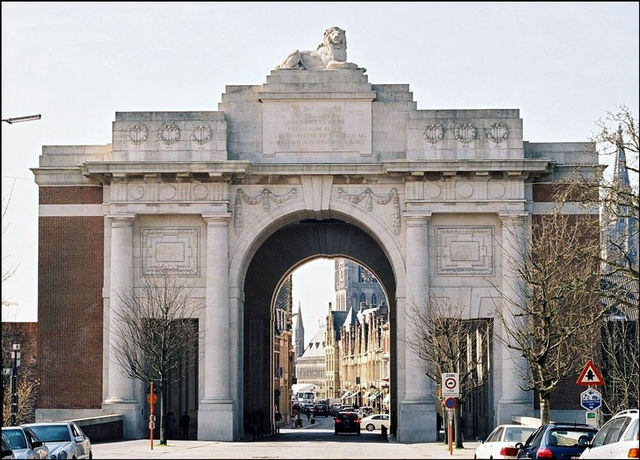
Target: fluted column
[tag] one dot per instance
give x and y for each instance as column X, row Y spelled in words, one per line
column 417, row 383
column 216, row 333
column 512, row 400
column 120, row 388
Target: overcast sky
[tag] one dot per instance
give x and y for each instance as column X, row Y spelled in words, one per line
column 564, row 65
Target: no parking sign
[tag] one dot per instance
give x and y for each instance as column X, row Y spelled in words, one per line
column 450, row 386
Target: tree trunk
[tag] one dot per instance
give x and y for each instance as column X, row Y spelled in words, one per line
column 458, row 428
column 545, row 406
column 163, row 433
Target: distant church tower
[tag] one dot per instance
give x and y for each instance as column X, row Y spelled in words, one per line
column 299, row 346
column 354, row 285
column 622, row 231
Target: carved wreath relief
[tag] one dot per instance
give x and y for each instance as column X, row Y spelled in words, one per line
column 137, row 133
column 497, row 132
column 266, row 197
column 201, row 134
column 433, row 133
column 169, row 133
column 466, row 133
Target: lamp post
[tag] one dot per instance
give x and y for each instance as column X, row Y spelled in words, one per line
column 15, row 355
column 21, row 119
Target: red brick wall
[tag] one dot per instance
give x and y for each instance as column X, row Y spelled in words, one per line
column 70, row 279
column 71, row 195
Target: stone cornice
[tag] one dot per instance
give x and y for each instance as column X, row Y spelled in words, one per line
column 511, row 167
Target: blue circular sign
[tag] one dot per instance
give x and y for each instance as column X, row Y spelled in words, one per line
column 450, row 403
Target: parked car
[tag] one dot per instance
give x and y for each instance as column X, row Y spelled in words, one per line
column 64, row 439
column 24, row 443
column 375, row 422
column 618, row 438
column 347, row 422
column 6, row 453
column 557, row 440
column 321, row 410
column 501, row 442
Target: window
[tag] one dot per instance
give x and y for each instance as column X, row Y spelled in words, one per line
column 535, row 438
column 632, row 433
column 602, row 434
column 495, row 435
column 617, row 427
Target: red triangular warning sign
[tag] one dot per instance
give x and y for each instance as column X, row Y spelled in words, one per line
column 590, row 375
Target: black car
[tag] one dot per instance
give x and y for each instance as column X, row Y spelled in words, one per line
column 557, row 440
column 347, row 422
column 321, row 410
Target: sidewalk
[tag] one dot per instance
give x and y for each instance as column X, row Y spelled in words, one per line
column 275, row 448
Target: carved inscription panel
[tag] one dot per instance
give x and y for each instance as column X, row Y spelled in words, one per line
column 170, row 248
column 464, row 250
column 317, row 127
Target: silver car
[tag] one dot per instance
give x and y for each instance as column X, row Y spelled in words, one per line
column 64, row 439
column 24, row 443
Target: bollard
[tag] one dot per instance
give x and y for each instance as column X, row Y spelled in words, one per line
column 383, row 430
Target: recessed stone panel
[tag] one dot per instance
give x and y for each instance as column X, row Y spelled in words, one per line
column 317, row 127
column 464, row 250
column 174, row 249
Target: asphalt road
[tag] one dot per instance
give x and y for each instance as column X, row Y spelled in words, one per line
column 312, row 441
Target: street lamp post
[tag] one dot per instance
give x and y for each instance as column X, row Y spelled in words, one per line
column 21, row 119
column 15, row 352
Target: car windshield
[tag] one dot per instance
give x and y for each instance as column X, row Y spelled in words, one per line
column 52, row 433
column 15, row 438
column 517, row 434
column 570, row 437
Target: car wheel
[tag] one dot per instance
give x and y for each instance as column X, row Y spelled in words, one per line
column 370, row 427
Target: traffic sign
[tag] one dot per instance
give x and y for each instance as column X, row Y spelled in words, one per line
column 590, row 375
column 590, row 399
column 450, row 386
column 450, row 403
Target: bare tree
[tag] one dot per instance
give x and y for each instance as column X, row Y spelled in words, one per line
column 547, row 317
column 27, row 394
column 446, row 342
column 154, row 332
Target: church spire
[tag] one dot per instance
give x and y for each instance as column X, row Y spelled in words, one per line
column 620, row 173
column 299, row 332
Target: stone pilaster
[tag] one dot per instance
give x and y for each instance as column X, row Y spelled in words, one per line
column 511, row 399
column 120, row 388
column 216, row 408
column 417, row 409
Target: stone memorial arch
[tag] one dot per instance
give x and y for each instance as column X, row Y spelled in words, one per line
column 316, row 161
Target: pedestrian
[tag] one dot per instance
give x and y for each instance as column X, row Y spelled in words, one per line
column 184, row 425
column 278, row 417
column 170, row 425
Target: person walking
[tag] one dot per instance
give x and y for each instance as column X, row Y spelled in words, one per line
column 184, row 425
column 171, row 425
column 278, row 418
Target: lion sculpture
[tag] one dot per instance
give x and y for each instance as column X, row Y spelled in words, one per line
column 330, row 54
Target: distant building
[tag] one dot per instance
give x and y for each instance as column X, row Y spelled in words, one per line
column 310, row 367
column 299, row 335
column 355, row 285
column 283, row 352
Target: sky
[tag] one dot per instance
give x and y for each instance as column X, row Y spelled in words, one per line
column 563, row 65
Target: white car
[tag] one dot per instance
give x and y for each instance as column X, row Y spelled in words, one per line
column 618, row 438
column 64, row 439
column 24, row 443
column 375, row 422
column 501, row 442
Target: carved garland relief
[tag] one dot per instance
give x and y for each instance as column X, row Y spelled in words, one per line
column 368, row 196
column 266, row 197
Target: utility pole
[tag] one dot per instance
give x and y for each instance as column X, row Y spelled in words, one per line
column 14, row 382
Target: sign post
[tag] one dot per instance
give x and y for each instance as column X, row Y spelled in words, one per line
column 450, row 391
column 591, row 399
column 152, row 399
column 450, row 430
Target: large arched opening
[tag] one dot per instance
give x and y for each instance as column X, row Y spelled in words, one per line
column 276, row 257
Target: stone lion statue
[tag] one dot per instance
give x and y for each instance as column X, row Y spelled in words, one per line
column 330, row 54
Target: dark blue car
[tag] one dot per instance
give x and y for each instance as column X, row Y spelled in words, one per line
column 557, row 440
